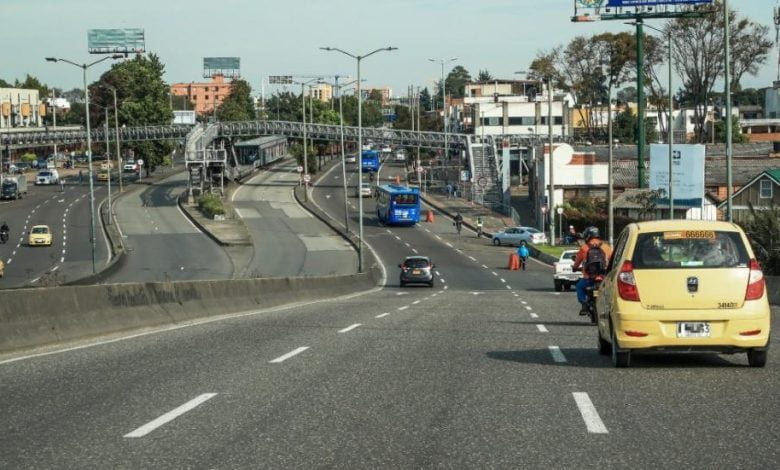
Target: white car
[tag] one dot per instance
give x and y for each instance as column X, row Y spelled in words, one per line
column 47, row 177
column 515, row 235
column 387, row 149
column 563, row 276
column 400, row 157
column 131, row 167
column 366, row 190
column 350, row 158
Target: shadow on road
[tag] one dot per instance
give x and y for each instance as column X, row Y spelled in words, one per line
column 590, row 358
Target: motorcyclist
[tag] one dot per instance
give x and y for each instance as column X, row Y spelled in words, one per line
column 592, row 240
column 479, row 226
column 4, row 228
column 458, row 222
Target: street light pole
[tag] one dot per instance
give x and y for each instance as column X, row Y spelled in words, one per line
column 444, row 107
column 727, row 81
column 551, row 206
column 358, row 59
column 84, row 68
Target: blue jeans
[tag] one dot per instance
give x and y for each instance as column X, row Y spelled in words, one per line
column 583, row 284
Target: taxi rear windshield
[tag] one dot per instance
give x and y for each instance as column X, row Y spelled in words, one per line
column 689, row 249
column 405, row 199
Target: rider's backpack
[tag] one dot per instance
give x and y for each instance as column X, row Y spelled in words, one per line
column 596, row 261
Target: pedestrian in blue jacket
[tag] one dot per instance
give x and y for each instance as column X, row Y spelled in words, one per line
column 523, row 253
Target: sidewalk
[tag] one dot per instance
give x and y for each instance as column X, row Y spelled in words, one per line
column 491, row 221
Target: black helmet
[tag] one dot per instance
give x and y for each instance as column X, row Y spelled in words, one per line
column 590, row 233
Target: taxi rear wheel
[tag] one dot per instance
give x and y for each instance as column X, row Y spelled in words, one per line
column 604, row 347
column 620, row 358
column 757, row 357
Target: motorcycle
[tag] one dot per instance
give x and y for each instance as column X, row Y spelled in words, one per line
column 3, row 237
column 592, row 293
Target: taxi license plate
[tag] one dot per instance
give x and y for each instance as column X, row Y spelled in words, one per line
column 693, row 330
column 416, row 271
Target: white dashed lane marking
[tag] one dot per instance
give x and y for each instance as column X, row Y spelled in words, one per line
column 288, row 355
column 542, row 329
column 349, row 328
column 382, row 315
column 589, row 414
column 556, row 353
column 170, row 416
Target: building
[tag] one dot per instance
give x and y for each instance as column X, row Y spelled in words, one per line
column 627, row 204
column 385, row 92
column 762, row 192
column 204, row 97
column 21, row 107
column 321, row 91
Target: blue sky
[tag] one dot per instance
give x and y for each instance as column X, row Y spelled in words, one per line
column 283, row 37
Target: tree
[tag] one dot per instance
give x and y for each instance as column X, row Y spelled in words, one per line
column 32, row 83
column 546, row 65
column 4, row 84
column 627, row 95
column 143, row 99
column 456, row 82
column 484, row 76
column 736, row 132
column 425, row 100
column 75, row 95
column 238, row 106
column 698, row 45
column 625, row 128
column 763, row 231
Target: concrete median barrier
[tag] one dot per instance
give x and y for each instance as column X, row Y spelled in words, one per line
column 32, row 318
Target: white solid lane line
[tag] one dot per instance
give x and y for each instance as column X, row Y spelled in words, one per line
column 557, row 355
column 350, row 328
column 288, row 355
column 542, row 329
column 170, row 416
column 382, row 315
column 589, row 414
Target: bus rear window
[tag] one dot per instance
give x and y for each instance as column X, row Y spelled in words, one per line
column 683, row 249
column 405, row 199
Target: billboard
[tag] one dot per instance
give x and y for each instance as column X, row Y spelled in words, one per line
column 226, row 66
column 634, row 3
column 280, row 79
column 687, row 173
column 115, row 41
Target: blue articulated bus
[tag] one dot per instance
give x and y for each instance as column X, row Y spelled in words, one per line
column 369, row 161
column 398, row 205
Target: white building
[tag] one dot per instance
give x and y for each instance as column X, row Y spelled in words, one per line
column 514, row 107
column 20, row 108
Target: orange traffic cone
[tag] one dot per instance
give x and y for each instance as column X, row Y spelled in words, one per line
column 514, row 262
column 429, row 216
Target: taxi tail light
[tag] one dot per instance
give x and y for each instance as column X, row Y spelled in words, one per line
column 627, row 288
column 750, row 333
column 636, row 334
column 755, row 288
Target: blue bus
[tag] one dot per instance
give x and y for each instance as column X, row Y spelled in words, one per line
column 369, row 161
column 397, row 205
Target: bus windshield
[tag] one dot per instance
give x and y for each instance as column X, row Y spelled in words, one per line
column 405, row 199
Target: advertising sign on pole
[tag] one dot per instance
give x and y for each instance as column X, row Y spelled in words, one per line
column 687, row 173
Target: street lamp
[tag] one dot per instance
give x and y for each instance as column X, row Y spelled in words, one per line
column 444, row 101
column 670, row 137
column 305, row 150
column 108, row 161
column 551, row 202
column 358, row 59
column 116, row 129
column 84, row 68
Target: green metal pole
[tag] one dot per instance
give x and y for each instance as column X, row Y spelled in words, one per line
column 727, row 85
column 640, row 90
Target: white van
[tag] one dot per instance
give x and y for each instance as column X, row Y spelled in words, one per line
column 48, row 176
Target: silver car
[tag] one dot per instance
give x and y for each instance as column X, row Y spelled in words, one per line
column 515, row 235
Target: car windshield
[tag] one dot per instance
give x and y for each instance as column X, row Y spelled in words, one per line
column 44, row 173
column 40, row 230
column 405, row 199
column 416, row 263
column 689, row 248
column 531, row 230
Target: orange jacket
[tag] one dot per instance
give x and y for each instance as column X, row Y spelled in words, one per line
column 582, row 255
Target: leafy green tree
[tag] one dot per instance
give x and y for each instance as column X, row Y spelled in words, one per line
column 143, row 99
column 484, row 76
column 736, row 132
column 238, row 106
column 624, row 128
column 456, row 81
column 32, row 83
column 425, row 100
column 4, row 84
column 763, row 230
column 627, row 95
column 75, row 117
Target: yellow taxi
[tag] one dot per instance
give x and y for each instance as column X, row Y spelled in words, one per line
column 683, row 286
column 40, row 235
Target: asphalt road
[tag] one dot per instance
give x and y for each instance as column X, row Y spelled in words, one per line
column 162, row 243
column 67, row 214
column 491, row 368
column 288, row 240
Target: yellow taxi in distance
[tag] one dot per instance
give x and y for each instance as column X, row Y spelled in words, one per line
column 683, row 286
column 40, row 235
